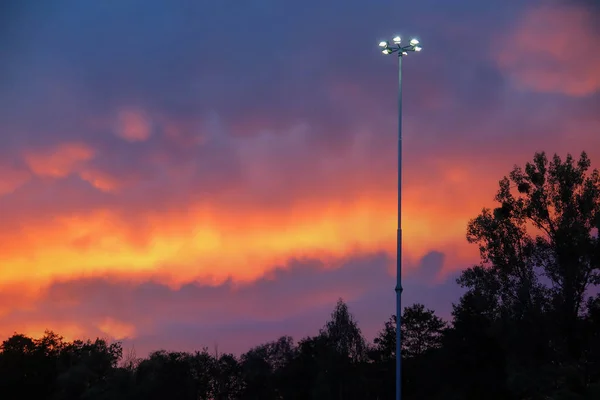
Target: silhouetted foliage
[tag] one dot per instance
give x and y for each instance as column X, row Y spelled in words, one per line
column 522, row 330
column 266, row 369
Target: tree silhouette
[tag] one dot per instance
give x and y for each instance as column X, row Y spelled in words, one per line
column 422, row 333
column 421, row 330
column 265, row 369
column 542, row 228
column 343, row 333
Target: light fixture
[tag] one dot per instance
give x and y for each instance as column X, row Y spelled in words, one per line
column 396, row 47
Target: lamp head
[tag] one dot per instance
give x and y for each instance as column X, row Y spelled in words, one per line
column 398, row 48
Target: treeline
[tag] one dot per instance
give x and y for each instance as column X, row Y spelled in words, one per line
column 526, row 327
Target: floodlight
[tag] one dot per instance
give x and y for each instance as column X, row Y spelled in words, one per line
column 396, row 47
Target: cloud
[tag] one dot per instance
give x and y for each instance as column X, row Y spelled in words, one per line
column 552, row 49
column 59, row 161
column 133, row 125
column 11, row 178
column 199, row 242
column 430, row 267
column 99, row 180
column 117, row 330
column 151, row 315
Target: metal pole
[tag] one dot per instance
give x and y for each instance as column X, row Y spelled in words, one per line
column 399, row 242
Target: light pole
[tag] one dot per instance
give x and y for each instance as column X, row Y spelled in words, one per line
column 397, row 47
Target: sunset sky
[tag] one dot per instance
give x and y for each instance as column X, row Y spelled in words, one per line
column 180, row 174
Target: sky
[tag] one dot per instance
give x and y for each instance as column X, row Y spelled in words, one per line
column 219, row 172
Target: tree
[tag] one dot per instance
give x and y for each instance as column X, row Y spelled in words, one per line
column 164, row 375
column 343, row 333
column 306, row 370
column 86, row 368
column 264, row 368
column 543, row 228
column 203, row 369
column 348, row 349
column 228, row 382
column 591, row 342
column 338, row 354
column 421, row 330
column 385, row 341
column 27, row 369
column 474, row 358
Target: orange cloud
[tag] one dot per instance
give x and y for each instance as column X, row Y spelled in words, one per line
column 133, row 125
column 58, row 161
column 99, row 180
column 188, row 244
column 213, row 244
column 552, row 49
column 117, row 329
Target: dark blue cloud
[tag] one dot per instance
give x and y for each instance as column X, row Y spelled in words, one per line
column 235, row 57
